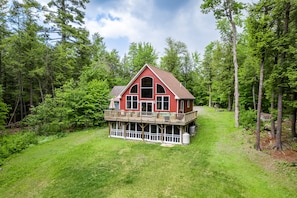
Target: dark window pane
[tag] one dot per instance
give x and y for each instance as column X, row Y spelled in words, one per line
column 166, row 98
column 134, row 104
column 147, row 82
column 153, row 128
column 159, row 105
column 134, row 89
column 166, row 106
column 160, row 89
column 146, row 93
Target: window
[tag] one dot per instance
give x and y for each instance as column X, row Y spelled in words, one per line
column 162, row 102
column 131, row 102
column 160, row 89
column 134, row 89
column 146, row 87
column 188, row 103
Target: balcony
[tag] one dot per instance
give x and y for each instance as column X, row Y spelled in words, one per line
column 151, row 118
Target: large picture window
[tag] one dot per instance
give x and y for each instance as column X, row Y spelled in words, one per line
column 163, row 103
column 146, row 87
column 132, row 102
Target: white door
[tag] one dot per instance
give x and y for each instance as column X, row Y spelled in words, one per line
column 146, row 108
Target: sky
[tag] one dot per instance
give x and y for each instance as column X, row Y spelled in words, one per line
column 121, row 22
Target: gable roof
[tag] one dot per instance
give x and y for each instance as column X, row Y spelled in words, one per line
column 116, row 91
column 168, row 79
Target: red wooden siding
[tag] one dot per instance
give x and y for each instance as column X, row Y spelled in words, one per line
column 148, row 73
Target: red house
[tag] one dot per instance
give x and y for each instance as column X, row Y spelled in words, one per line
column 154, row 106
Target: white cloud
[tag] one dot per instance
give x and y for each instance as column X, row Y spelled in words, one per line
column 142, row 21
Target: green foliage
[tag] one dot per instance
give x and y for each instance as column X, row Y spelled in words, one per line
column 10, row 144
column 140, row 54
column 75, row 105
column 4, row 109
column 248, row 118
column 217, row 163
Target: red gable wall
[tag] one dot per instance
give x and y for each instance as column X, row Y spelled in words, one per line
column 148, row 73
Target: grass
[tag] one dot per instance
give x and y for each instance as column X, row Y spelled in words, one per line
column 218, row 163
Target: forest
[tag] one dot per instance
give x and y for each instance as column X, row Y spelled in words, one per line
column 56, row 77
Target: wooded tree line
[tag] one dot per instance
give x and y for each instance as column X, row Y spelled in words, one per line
column 56, row 77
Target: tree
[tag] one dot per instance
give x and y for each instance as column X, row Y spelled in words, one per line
column 260, row 41
column 174, row 58
column 228, row 9
column 66, row 15
column 3, row 34
column 3, row 110
column 140, row 54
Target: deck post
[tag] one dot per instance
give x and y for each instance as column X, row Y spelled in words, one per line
column 125, row 124
column 109, row 130
column 162, row 132
column 181, row 129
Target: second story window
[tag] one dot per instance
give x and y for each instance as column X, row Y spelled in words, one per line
column 163, row 103
column 133, row 89
column 147, row 87
column 132, row 102
column 160, row 89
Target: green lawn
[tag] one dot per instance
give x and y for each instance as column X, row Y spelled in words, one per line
column 218, row 163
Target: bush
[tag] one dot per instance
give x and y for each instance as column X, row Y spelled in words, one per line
column 10, row 144
column 248, row 119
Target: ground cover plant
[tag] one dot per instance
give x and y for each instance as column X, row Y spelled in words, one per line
column 219, row 162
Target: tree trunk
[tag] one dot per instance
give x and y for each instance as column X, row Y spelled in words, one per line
column 31, row 93
column 209, row 96
column 40, row 89
column 254, row 97
column 258, row 145
column 278, row 143
column 272, row 116
column 293, row 118
column 236, row 89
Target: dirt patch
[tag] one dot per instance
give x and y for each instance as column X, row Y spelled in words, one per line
column 289, row 145
column 286, row 155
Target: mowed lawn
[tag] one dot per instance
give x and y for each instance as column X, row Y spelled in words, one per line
column 219, row 162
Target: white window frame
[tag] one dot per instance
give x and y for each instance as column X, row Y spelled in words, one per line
column 141, row 87
column 132, row 101
column 188, row 103
column 136, row 88
column 162, row 87
column 162, row 103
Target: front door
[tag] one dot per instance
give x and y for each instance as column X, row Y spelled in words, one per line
column 146, row 108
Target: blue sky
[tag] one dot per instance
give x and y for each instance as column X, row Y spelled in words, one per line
column 122, row 22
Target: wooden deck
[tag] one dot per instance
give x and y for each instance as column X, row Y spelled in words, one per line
column 152, row 118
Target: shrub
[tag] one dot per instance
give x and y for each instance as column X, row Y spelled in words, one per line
column 248, row 119
column 10, row 144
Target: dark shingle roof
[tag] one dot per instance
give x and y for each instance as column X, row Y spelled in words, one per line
column 116, row 90
column 172, row 83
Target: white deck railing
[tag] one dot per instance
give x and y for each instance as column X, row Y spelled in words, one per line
column 155, row 117
column 147, row 136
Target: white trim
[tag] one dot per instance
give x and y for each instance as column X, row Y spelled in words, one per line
column 153, row 93
column 162, row 103
column 157, row 88
column 182, row 102
column 146, row 101
column 133, row 86
column 132, row 101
